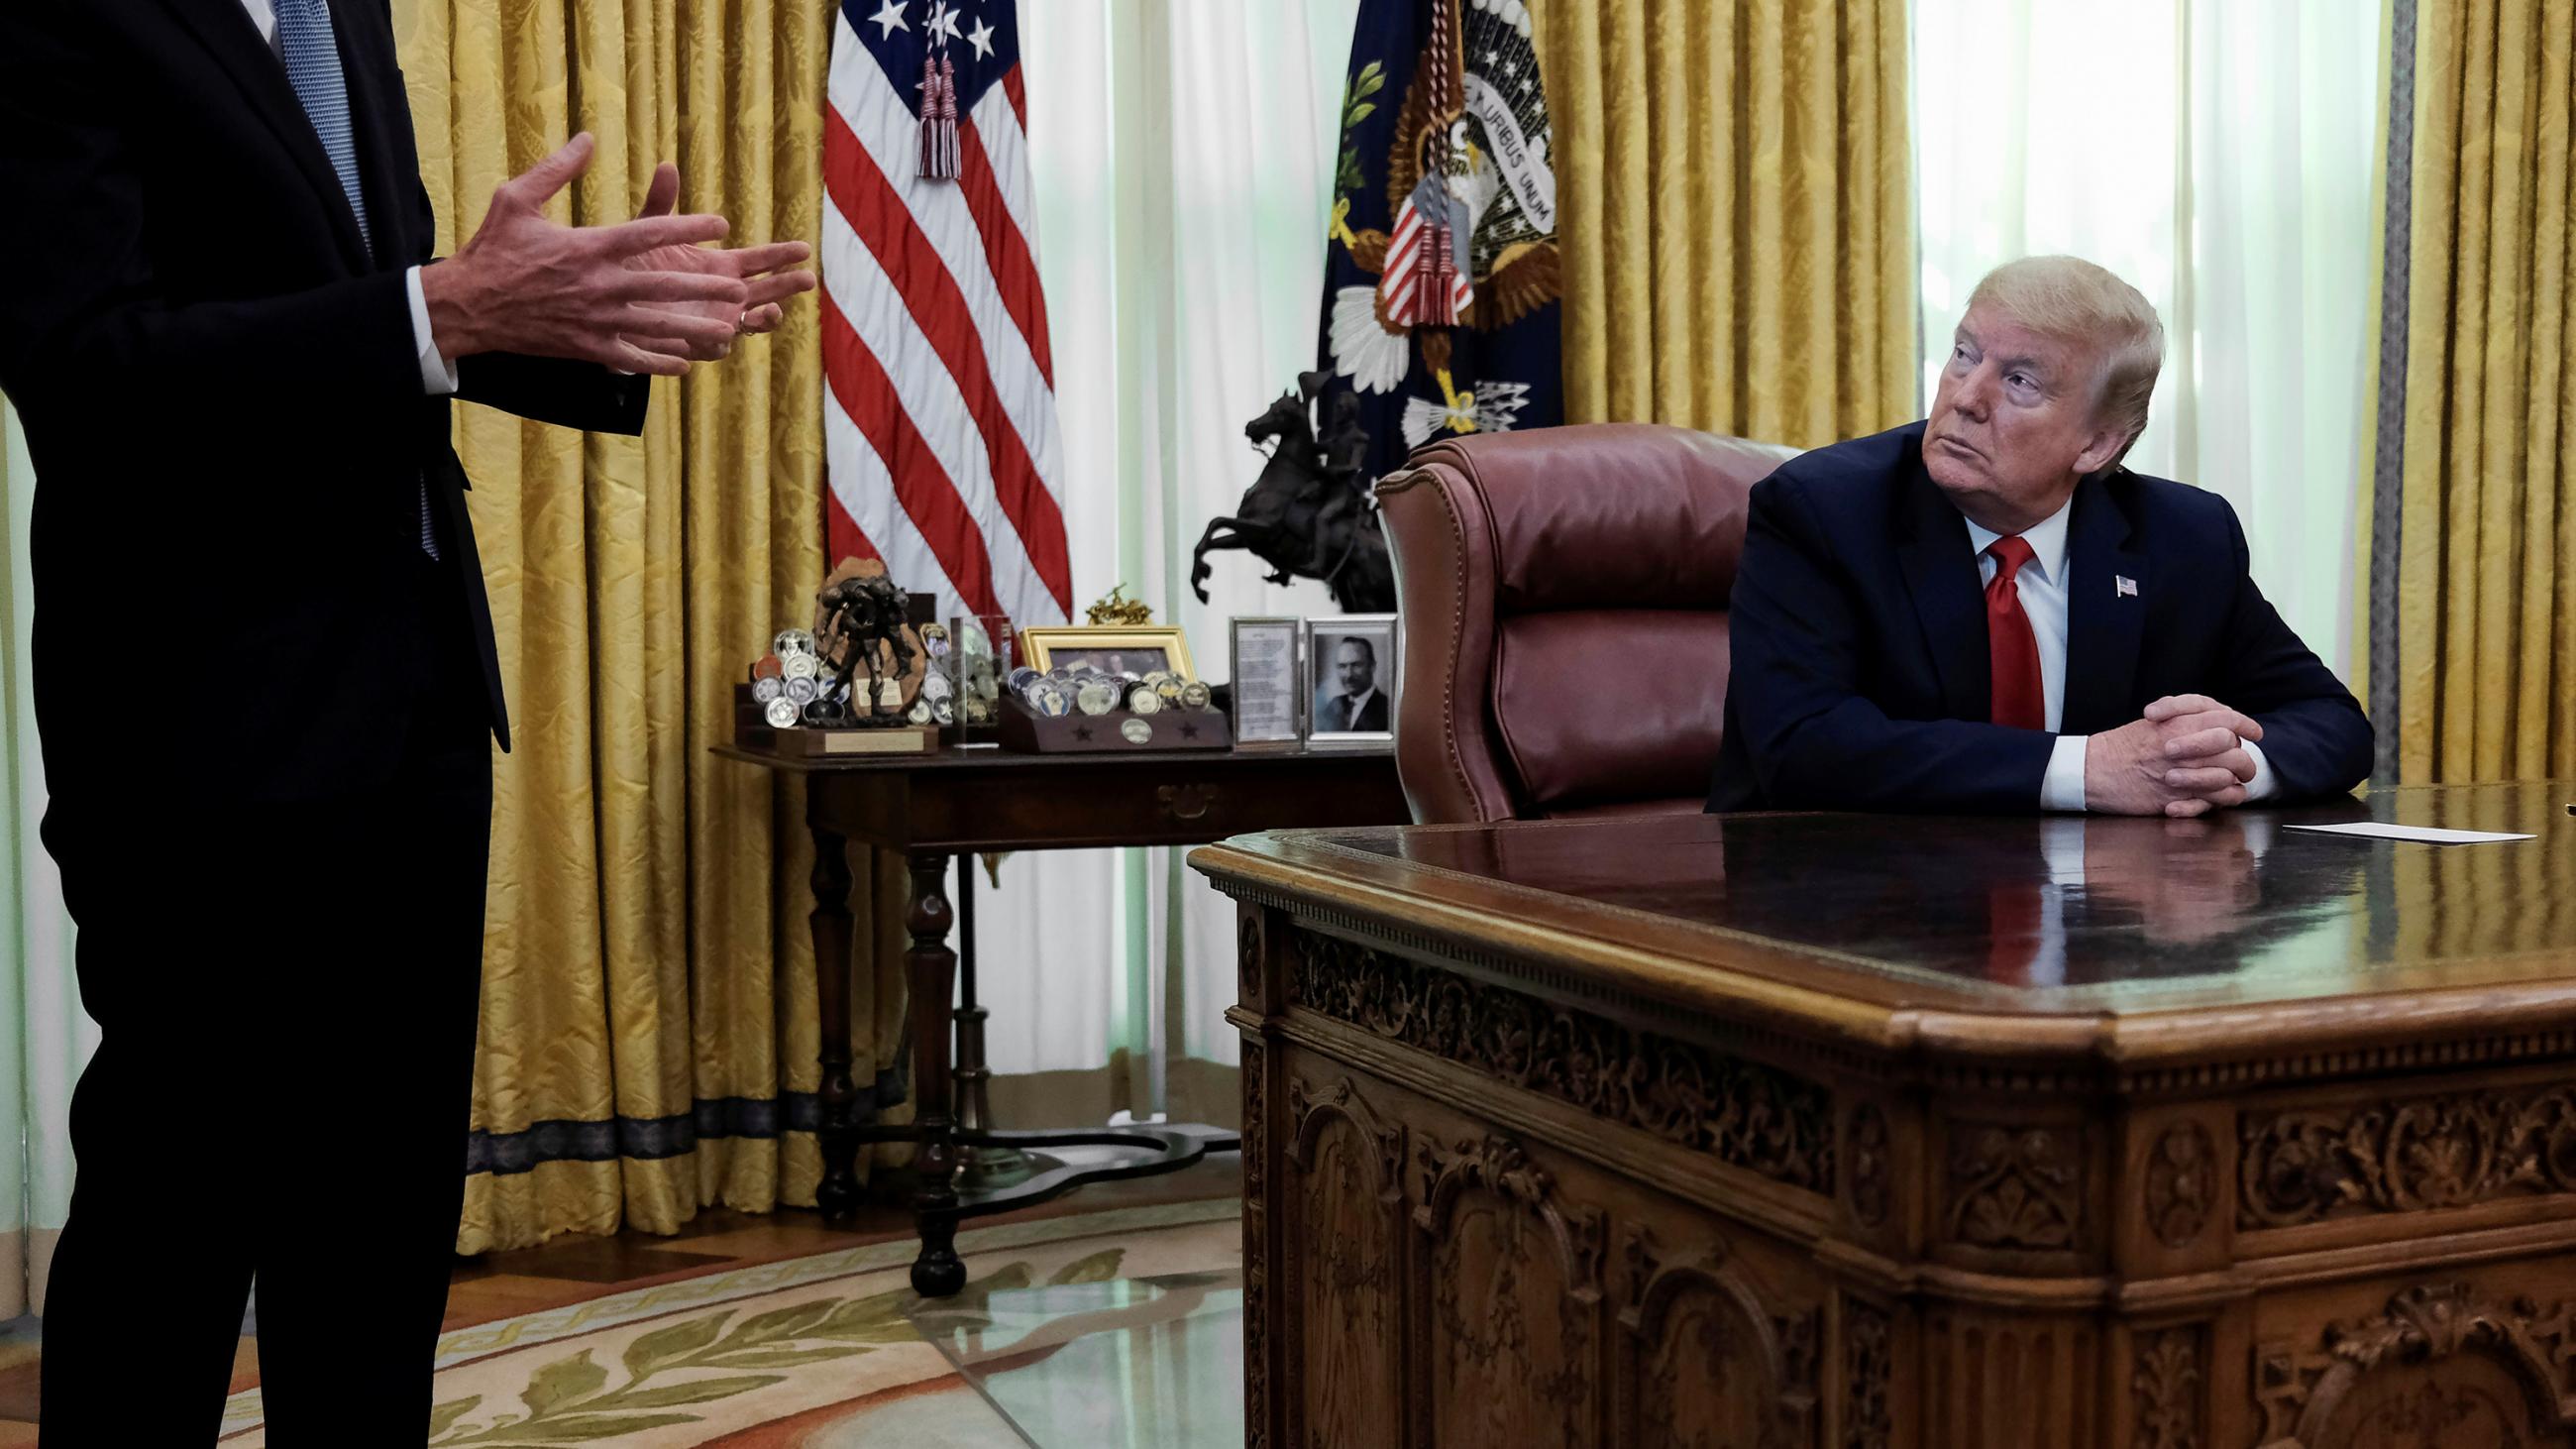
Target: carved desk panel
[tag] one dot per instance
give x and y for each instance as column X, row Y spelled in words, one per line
column 1807, row 1130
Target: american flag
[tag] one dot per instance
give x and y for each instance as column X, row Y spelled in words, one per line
column 939, row 425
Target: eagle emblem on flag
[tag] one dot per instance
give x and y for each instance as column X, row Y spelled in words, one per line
column 1442, row 279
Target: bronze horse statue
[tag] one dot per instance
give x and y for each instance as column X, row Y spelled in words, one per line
column 1309, row 513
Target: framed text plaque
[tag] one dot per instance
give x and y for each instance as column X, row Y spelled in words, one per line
column 1262, row 656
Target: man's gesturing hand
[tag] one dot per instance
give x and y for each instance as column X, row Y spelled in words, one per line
column 2185, row 757
column 526, row 284
column 765, row 287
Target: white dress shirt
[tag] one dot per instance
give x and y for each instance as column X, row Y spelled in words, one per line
column 437, row 374
column 2042, row 586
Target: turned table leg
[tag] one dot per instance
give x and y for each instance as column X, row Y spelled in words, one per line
column 838, row 1194
column 932, row 967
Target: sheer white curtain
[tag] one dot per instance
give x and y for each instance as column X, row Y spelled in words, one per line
column 2218, row 156
column 1181, row 159
column 45, row 1038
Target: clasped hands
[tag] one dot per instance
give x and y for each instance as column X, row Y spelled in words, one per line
column 642, row 296
column 2185, row 757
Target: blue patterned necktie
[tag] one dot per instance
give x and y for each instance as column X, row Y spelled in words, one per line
column 312, row 54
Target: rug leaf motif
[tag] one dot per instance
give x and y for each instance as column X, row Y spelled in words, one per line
column 569, row 1401
column 665, row 1344
column 561, row 1382
column 444, row 1417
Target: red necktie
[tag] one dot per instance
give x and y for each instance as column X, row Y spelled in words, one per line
column 2011, row 649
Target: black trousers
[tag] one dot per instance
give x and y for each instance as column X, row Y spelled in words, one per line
column 287, row 997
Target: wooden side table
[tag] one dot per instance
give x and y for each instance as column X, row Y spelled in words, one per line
column 967, row 801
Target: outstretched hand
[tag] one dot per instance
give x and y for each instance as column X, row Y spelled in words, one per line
column 765, row 286
column 643, row 296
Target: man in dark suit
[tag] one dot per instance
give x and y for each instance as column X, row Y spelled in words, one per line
column 264, row 667
column 1984, row 612
column 1351, row 704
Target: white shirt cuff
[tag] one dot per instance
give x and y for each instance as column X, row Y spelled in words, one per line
column 2062, row 788
column 2263, row 786
column 437, row 374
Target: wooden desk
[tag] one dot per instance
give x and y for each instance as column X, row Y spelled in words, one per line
column 1859, row 1131
column 968, row 801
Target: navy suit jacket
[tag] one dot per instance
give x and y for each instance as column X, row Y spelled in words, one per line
column 1859, row 678
column 223, row 396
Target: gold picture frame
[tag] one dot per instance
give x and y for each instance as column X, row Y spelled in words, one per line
column 1047, row 646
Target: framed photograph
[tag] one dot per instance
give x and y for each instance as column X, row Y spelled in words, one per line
column 1262, row 654
column 1134, row 651
column 1351, row 679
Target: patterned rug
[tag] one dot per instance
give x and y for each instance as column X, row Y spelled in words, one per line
column 835, row 1351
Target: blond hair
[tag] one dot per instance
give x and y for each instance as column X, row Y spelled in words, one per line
column 2072, row 300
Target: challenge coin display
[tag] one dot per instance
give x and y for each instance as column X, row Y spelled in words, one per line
column 1079, row 681
column 848, row 684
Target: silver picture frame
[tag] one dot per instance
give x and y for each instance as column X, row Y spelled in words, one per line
column 1267, row 681
column 1382, row 644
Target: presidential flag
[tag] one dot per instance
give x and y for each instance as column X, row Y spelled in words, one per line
column 1441, row 274
column 939, row 425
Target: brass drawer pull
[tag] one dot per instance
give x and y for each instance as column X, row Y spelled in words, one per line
column 1186, row 802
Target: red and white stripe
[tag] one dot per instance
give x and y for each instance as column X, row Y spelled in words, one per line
column 1411, row 285
column 939, row 392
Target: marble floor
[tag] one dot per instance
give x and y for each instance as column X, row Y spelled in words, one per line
column 1101, row 1342
column 1153, row 1362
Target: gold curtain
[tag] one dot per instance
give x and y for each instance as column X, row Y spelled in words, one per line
column 1736, row 213
column 2486, row 550
column 646, row 947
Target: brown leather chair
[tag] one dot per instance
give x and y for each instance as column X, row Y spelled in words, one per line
column 1564, row 594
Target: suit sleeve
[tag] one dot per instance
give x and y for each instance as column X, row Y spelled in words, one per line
column 82, row 317
column 2314, row 733
column 1814, row 738
column 564, row 391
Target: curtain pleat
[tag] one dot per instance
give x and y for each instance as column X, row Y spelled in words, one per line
column 1737, row 218
column 2486, row 609
column 46, row 1038
column 648, row 1031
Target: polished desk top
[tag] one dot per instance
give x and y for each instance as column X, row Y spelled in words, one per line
column 2098, row 936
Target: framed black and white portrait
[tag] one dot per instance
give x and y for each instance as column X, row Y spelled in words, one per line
column 1350, row 679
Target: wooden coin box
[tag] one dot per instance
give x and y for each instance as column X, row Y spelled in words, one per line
column 1029, row 732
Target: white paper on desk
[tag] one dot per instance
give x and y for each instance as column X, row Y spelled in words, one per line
column 2424, row 834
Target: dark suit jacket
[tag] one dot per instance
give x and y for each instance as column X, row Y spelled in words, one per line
column 1335, row 715
column 1859, row 673
column 223, row 399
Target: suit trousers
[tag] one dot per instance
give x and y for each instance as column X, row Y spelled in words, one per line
column 287, row 997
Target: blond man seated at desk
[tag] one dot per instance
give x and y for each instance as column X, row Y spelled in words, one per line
column 1985, row 612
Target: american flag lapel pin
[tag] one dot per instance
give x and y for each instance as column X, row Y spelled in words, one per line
column 2124, row 587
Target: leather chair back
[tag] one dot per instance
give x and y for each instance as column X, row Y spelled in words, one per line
column 1563, row 592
